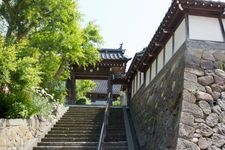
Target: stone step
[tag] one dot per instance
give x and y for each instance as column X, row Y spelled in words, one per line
column 78, row 122
column 69, row 139
column 82, row 139
column 81, row 118
column 61, row 129
column 86, row 127
column 121, row 143
column 77, row 125
column 84, row 135
column 82, row 132
column 79, row 147
column 80, row 128
column 77, row 128
column 86, row 115
column 91, row 135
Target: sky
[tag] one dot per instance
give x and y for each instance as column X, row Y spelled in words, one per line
column 131, row 22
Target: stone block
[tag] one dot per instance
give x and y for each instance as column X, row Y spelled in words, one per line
column 218, row 79
column 204, row 130
column 216, row 95
column 212, row 119
column 195, row 70
column 207, row 64
column 2, row 123
column 187, row 118
column 218, row 140
column 222, row 117
column 193, row 109
column 183, row 144
column 206, row 80
column 204, row 143
column 193, row 86
column 217, row 88
column 208, row 89
column 203, row 96
column 16, row 122
column 208, row 56
column 189, row 96
column 192, row 60
column 220, row 73
column 221, row 103
column 196, row 52
column 190, row 77
column 221, row 128
column 213, row 148
column 217, row 109
column 204, row 105
column 186, row 131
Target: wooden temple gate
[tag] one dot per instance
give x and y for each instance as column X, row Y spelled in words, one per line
column 112, row 68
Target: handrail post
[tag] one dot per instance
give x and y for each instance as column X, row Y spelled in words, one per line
column 104, row 124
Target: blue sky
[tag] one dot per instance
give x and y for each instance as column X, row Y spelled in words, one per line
column 132, row 22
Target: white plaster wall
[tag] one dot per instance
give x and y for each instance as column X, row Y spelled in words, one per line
column 169, row 50
column 160, row 61
column 179, row 36
column 142, row 78
column 204, row 28
column 153, row 70
column 135, row 84
column 132, row 90
column 147, row 76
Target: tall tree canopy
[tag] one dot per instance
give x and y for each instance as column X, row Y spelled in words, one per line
column 42, row 38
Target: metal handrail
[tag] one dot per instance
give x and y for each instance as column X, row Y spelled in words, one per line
column 104, row 124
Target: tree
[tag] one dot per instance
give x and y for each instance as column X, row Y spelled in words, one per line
column 84, row 87
column 53, row 31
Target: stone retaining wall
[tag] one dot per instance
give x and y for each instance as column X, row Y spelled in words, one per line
column 155, row 108
column 184, row 106
column 202, row 121
column 23, row 134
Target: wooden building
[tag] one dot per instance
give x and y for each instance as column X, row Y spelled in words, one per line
column 112, row 66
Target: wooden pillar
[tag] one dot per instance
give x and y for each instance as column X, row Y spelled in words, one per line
column 109, row 89
column 71, row 87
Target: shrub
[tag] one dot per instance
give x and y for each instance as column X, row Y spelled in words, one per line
column 82, row 101
column 116, row 103
column 16, row 105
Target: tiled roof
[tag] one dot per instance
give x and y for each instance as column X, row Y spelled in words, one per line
column 113, row 54
column 101, row 87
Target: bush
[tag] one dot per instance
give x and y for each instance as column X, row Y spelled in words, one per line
column 83, row 101
column 117, row 103
column 16, row 105
column 43, row 105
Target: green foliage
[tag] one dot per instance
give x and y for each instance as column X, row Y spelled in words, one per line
column 81, row 101
column 42, row 104
column 16, row 105
column 39, row 40
column 117, row 102
column 83, row 87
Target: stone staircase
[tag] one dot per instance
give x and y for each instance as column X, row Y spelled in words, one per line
column 80, row 128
